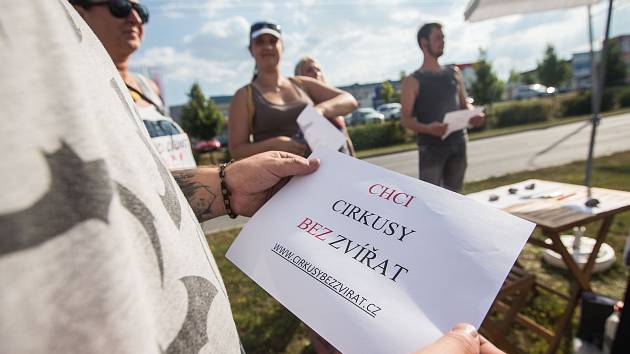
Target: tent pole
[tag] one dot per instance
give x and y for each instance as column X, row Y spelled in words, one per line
column 592, row 53
column 597, row 89
column 594, row 111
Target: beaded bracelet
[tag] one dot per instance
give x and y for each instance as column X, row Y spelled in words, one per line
column 225, row 192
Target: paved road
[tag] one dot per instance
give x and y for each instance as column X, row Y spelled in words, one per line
column 528, row 150
column 510, row 153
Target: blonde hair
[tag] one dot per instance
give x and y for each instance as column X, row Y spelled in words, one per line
column 299, row 67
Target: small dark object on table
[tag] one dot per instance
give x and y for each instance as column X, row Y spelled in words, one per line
column 592, row 202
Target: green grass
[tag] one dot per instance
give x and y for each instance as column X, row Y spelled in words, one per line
column 266, row 327
column 488, row 133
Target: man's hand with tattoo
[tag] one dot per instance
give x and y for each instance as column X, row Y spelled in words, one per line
column 251, row 181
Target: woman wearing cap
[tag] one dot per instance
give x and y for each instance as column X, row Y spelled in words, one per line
column 307, row 66
column 268, row 107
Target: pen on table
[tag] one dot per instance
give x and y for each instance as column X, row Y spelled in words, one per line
column 565, row 196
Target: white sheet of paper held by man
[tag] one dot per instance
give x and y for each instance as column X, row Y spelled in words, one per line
column 458, row 120
column 374, row 261
column 318, row 130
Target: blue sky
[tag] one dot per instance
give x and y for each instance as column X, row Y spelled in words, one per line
column 355, row 41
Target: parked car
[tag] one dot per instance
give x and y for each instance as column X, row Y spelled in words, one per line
column 207, row 145
column 223, row 139
column 535, row 90
column 366, row 116
column 348, row 119
column 171, row 143
column 390, row 110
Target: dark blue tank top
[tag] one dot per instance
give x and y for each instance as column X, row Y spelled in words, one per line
column 437, row 96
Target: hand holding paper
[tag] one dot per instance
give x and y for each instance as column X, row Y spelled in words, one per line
column 437, row 129
column 318, row 130
column 253, row 180
column 458, row 120
column 375, row 261
column 462, row 339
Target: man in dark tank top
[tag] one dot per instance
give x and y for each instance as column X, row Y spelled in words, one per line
column 426, row 96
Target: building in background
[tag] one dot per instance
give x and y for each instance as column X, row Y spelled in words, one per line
column 365, row 94
column 581, row 63
column 222, row 102
column 623, row 41
column 468, row 74
column 581, row 70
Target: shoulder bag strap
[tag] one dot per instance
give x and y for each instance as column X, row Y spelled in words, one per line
column 144, row 97
column 250, row 108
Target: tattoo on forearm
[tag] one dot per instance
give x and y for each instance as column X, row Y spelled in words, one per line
column 199, row 196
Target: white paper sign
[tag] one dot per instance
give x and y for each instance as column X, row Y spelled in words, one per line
column 318, row 130
column 458, row 120
column 375, row 261
column 175, row 151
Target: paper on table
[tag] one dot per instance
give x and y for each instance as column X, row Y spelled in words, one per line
column 458, row 120
column 504, row 199
column 374, row 261
column 318, row 130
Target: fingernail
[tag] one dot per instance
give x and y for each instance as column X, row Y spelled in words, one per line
column 465, row 329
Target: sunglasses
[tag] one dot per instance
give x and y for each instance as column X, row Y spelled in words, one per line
column 262, row 25
column 122, row 9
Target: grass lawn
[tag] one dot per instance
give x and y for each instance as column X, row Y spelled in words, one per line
column 266, row 327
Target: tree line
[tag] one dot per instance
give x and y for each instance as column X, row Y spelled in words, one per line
column 550, row 71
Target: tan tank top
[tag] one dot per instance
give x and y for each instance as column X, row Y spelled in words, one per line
column 272, row 120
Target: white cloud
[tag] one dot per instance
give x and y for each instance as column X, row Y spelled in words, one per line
column 226, row 28
column 184, row 66
column 405, row 15
column 300, row 18
column 173, row 10
column 268, row 8
column 354, row 40
column 213, row 7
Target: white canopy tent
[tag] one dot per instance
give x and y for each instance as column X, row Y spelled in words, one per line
column 478, row 10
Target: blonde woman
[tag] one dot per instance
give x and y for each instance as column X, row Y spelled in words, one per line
column 307, row 66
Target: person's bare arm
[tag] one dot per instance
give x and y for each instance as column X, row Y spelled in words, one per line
column 202, row 189
column 477, row 120
column 409, row 90
column 329, row 101
column 461, row 90
column 239, row 131
column 251, row 182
